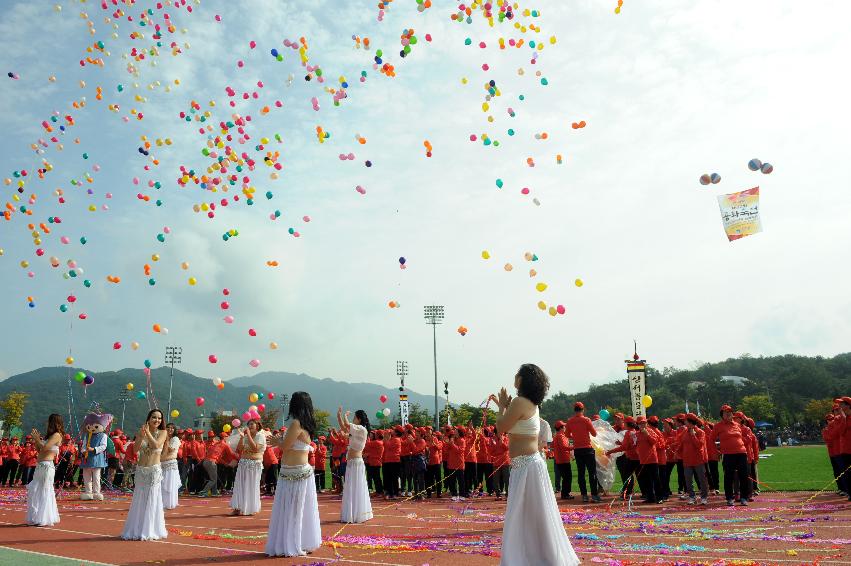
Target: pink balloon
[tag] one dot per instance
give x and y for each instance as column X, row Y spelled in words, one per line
column 261, row 407
column 228, row 319
column 252, row 44
column 383, row 398
column 254, row 363
column 235, row 423
column 246, row 416
column 254, row 415
column 306, row 218
column 360, row 189
column 560, row 309
column 65, row 240
column 212, row 358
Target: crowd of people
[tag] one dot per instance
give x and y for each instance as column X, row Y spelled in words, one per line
column 504, row 459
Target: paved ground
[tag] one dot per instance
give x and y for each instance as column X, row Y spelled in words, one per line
column 791, row 528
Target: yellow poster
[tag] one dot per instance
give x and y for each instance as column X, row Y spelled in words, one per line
column 740, row 213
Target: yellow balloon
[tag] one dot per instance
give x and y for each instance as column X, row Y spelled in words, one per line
column 646, row 401
column 273, row 345
column 226, row 427
column 175, row 413
column 252, row 398
column 542, row 305
column 486, row 254
column 155, row 257
column 134, row 345
column 541, row 287
column 130, row 387
column 69, row 360
column 192, row 281
column 578, row 283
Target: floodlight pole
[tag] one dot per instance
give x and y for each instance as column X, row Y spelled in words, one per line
column 434, row 316
column 172, row 356
column 124, row 396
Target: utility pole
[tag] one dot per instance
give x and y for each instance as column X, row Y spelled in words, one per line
column 284, row 399
column 124, row 396
column 172, row 357
column 434, row 316
column 446, row 392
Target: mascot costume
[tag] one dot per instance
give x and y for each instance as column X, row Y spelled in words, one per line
column 94, row 454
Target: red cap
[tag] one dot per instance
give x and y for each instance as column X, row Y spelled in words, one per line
column 725, row 408
column 692, row 417
column 559, row 424
column 680, row 416
column 199, row 433
column 846, row 400
column 188, row 431
column 322, row 438
column 750, row 422
column 629, row 419
column 640, row 420
column 210, row 434
column 28, row 437
column 653, row 419
column 579, row 406
column 619, row 415
column 67, row 437
column 669, row 421
column 739, row 415
column 595, row 417
column 223, row 434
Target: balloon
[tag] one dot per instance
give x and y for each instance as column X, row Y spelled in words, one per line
column 175, row 413
column 235, row 423
column 754, row 164
column 767, row 168
column 254, row 363
column 134, row 345
column 385, row 411
column 79, row 376
column 378, row 414
column 486, row 254
column 715, row 178
column 402, row 261
column 383, row 398
column 252, row 398
column 541, row 287
column 705, row 179
column 261, row 407
column 212, row 358
column 88, row 380
column 254, row 415
column 604, row 414
column 217, row 380
column 147, row 363
column 646, row 401
column 140, row 395
column 192, row 281
column 252, row 409
column 220, row 386
column 246, row 416
column 271, row 396
column 260, row 395
column 578, row 283
column 116, row 346
column 228, row 319
column 273, row 345
column 226, row 427
column 252, row 332
column 129, row 387
column 199, row 401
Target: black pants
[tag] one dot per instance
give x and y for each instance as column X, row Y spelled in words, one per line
column 62, row 472
column 754, row 484
column 736, row 467
column 470, row 474
column 418, row 481
column 432, row 479
column 649, row 479
column 484, row 472
column 318, row 474
column 681, row 477
column 501, row 478
column 620, row 463
column 391, row 478
column 27, row 474
column 712, row 475
column 585, row 461
column 373, row 478
column 665, row 478
column 456, row 483
column 407, row 474
column 566, row 472
column 270, row 480
column 836, row 464
column 196, row 475
column 10, row 471
column 631, row 467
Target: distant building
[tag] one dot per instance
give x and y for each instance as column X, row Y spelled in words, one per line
column 735, row 379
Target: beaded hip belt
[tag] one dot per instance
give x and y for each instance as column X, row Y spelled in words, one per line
column 296, row 473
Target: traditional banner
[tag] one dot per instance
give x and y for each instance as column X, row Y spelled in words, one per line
column 635, row 372
column 740, row 213
column 403, row 409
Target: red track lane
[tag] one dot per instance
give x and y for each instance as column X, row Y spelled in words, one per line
column 776, row 529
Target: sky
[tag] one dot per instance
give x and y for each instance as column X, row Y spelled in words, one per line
column 668, row 90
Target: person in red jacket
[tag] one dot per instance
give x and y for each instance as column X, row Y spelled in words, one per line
column 845, row 444
column 471, row 441
column 212, row 452
column 755, row 452
column 12, row 460
column 271, row 467
column 457, row 450
column 562, row 453
column 29, row 455
column 649, row 471
column 484, row 468
column 748, row 438
column 712, row 455
column 196, row 457
column 735, row 454
column 832, row 436
column 391, row 460
column 501, row 464
column 661, row 454
column 321, row 461
column 694, row 459
column 373, row 455
column 339, row 446
column 580, row 429
column 435, row 460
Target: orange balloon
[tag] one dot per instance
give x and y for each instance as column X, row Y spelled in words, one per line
column 157, row 328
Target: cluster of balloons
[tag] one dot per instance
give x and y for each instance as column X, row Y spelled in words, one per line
column 385, row 412
column 217, row 381
column 402, row 262
column 757, row 165
column 714, row 178
column 84, row 378
column 394, row 304
column 578, row 125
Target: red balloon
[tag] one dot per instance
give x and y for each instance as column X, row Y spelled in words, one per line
column 383, row 398
column 261, row 407
column 212, row 358
column 199, row 401
column 225, row 305
column 271, row 396
column 252, row 332
column 116, row 346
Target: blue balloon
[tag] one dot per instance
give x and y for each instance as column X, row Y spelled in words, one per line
column 604, row 414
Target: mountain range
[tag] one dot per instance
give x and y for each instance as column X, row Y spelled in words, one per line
column 49, row 392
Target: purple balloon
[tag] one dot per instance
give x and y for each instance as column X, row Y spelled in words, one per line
column 88, row 380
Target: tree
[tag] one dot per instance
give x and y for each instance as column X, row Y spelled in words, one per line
column 269, row 418
column 758, row 407
column 816, row 409
column 13, row 408
column 219, row 421
column 322, row 422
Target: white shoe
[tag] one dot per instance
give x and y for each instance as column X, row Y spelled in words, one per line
column 99, row 496
column 683, row 496
column 703, row 501
column 85, row 496
column 690, row 501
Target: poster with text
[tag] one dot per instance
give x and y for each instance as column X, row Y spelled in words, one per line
column 740, row 213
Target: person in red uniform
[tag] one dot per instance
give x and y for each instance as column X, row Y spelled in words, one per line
column 471, row 442
column 712, row 457
column 484, row 468
column 212, row 451
column 845, row 444
column 419, row 463
column 501, row 465
column 66, row 456
column 562, row 453
column 455, row 461
column 321, row 463
column 435, row 460
column 391, row 461
column 271, row 466
column 661, row 454
column 12, row 460
column 648, row 475
column 406, row 463
column 373, row 454
column 694, row 458
column 671, row 447
column 339, row 446
column 755, row 452
column 29, row 455
column 196, row 457
column 4, row 446
column 735, row 455
column 832, row 436
column 741, row 419
column 580, row 429
column 226, row 465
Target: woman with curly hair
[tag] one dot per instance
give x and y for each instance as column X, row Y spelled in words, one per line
column 533, row 532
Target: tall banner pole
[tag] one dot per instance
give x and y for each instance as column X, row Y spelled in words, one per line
column 636, row 377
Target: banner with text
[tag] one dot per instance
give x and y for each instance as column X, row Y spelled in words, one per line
column 740, row 213
column 635, row 372
column 403, row 409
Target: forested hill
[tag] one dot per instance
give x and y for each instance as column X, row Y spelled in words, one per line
column 778, row 389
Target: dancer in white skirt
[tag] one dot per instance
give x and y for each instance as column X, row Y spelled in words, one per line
column 168, row 462
column 41, row 499
column 146, row 520
column 357, row 507
column 246, row 487
column 533, row 533
column 294, row 526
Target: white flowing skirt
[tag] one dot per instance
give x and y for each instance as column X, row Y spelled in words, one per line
column 533, row 533
column 171, row 484
column 246, row 487
column 146, row 520
column 294, row 525
column 41, row 499
column 357, row 507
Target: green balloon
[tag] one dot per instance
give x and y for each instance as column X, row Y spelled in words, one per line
column 87, row 283
column 378, row 414
column 79, row 376
column 140, row 395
